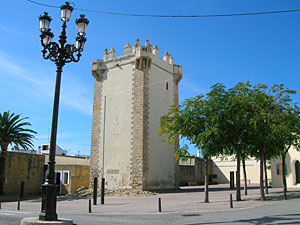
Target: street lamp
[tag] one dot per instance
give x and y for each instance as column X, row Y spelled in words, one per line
column 60, row 53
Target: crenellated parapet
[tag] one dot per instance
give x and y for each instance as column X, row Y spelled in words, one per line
column 138, row 51
column 141, row 56
column 127, row 49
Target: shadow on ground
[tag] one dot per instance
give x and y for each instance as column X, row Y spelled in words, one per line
column 278, row 196
column 16, row 198
column 212, row 188
column 279, row 219
column 38, row 198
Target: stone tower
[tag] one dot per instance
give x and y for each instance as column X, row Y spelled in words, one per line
column 139, row 87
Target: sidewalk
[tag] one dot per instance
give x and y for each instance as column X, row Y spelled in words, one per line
column 188, row 200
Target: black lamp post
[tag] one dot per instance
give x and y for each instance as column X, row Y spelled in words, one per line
column 60, row 53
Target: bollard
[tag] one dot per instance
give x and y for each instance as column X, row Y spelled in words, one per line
column 95, row 190
column 22, row 189
column 231, row 179
column 231, row 203
column 159, row 205
column 90, row 206
column 18, row 204
column 102, row 190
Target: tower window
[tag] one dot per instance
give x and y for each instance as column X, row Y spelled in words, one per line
column 167, row 86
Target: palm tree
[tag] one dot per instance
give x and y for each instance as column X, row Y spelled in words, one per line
column 12, row 131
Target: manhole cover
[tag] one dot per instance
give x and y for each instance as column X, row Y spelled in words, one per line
column 191, row 214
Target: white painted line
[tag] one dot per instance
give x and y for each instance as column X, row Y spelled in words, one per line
column 6, row 214
column 11, row 212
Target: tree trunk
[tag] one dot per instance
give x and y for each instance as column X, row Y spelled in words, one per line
column 284, row 176
column 206, row 200
column 3, row 154
column 238, row 175
column 245, row 177
column 266, row 175
column 261, row 175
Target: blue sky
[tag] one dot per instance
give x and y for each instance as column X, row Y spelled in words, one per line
column 262, row 48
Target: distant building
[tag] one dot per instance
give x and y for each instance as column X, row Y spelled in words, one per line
column 45, row 149
column 192, row 171
column 25, row 173
column 292, row 169
column 223, row 166
column 71, row 172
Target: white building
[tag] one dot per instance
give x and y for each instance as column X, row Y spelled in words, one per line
column 45, row 149
column 292, row 170
column 139, row 87
column 223, row 166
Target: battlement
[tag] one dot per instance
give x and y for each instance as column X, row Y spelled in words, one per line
column 138, row 51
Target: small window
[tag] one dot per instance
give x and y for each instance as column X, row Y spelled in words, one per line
column 44, row 147
column 167, row 86
column 66, row 177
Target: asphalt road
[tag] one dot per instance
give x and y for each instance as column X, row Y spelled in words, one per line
column 287, row 212
column 183, row 207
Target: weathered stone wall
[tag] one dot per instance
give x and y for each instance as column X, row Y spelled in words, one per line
column 68, row 160
column 23, row 167
column 139, row 129
column 161, row 155
column 96, row 141
column 193, row 170
column 177, row 75
column 115, row 82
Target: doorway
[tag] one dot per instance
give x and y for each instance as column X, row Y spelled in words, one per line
column 58, row 180
column 297, row 172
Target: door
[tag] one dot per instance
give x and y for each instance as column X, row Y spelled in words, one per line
column 58, row 180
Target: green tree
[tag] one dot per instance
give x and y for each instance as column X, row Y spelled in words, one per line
column 287, row 134
column 245, row 121
column 182, row 152
column 193, row 120
column 265, row 106
column 12, row 130
column 260, row 106
column 231, row 120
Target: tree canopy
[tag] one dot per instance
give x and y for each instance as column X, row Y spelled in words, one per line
column 245, row 121
column 12, row 130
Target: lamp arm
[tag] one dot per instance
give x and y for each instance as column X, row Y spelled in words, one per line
column 51, row 51
column 70, row 51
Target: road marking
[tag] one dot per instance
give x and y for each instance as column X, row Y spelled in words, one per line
column 11, row 212
column 6, row 214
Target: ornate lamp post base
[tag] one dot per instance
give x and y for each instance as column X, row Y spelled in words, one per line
column 36, row 221
column 48, row 214
column 49, row 193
